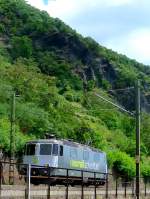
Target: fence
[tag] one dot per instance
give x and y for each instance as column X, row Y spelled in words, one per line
column 22, row 187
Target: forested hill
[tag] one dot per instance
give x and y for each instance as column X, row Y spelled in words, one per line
column 56, row 72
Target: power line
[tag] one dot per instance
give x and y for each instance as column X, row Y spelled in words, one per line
column 116, row 105
column 121, row 89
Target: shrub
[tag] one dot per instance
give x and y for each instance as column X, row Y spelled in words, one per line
column 122, row 163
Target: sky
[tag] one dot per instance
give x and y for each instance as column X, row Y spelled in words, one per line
column 120, row 25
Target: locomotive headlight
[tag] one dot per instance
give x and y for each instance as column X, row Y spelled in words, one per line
column 46, row 165
column 34, row 172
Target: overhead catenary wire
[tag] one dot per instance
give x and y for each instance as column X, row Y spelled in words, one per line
column 121, row 89
column 116, row 105
column 145, row 105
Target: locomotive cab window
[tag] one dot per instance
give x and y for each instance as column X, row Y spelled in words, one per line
column 61, row 150
column 45, row 149
column 30, row 149
column 55, row 149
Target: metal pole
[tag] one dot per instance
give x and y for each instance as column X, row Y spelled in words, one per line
column 82, row 194
column 95, row 194
column 137, row 89
column 145, row 187
column 49, row 183
column 12, row 145
column 125, row 189
column 133, row 189
column 29, row 181
column 67, row 185
column 116, row 187
column 1, row 175
column 138, row 139
column 107, row 185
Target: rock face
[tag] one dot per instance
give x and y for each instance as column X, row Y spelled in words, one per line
column 54, row 45
column 91, row 67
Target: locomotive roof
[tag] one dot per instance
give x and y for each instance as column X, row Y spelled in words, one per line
column 64, row 142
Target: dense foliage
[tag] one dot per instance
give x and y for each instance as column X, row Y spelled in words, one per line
column 56, row 73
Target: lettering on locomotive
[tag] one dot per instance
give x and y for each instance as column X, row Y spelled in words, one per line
column 83, row 165
column 77, row 164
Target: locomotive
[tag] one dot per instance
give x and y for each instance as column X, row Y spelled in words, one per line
column 65, row 158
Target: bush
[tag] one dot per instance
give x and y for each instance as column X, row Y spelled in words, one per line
column 122, row 163
column 19, row 138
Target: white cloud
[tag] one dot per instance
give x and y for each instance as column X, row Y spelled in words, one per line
column 140, row 44
column 67, row 8
column 37, row 3
column 135, row 45
column 57, row 8
column 117, row 2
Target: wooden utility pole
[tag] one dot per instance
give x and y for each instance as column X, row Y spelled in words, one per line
column 138, row 140
column 12, row 144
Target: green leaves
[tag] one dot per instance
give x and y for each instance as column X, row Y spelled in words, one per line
column 19, row 138
column 32, row 119
column 21, row 47
column 122, row 163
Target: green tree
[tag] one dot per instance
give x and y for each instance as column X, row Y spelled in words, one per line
column 21, row 46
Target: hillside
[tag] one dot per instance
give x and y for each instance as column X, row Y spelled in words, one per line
column 56, row 72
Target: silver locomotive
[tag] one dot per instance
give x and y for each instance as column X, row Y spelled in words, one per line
column 65, row 158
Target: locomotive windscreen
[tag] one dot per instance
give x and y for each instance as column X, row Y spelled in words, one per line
column 55, row 149
column 45, row 149
column 30, row 149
